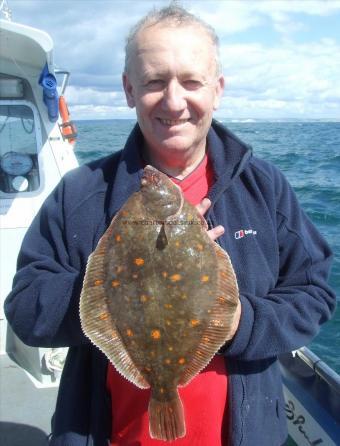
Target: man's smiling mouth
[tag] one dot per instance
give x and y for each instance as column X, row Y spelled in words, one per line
column 172, row 122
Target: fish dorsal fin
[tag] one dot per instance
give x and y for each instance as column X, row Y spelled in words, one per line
column 218, row 329
column 96, row 320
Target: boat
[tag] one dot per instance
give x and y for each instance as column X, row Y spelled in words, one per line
column 37, row 149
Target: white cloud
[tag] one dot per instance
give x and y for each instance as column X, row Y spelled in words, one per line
column 233, row 16
column 90, row 111
column 311, row 7
column 291, row 78
column 263, row 77
column 81, row 96
column 227, row 17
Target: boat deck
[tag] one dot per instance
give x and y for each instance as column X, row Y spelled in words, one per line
column 25, row 410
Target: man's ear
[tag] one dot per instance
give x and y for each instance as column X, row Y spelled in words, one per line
column 219, row 89
column 129, row 93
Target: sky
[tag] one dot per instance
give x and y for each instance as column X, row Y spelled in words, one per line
column 281, row 59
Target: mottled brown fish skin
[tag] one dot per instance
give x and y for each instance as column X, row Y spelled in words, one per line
column 166, row 295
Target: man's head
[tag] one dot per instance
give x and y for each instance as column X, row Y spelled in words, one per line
column 172, row 77
column 172, row 16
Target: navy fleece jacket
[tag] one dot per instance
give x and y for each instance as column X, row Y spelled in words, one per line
column 280, row 259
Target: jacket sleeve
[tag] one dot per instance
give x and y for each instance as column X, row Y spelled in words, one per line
column 290, row 315
column 42, row 308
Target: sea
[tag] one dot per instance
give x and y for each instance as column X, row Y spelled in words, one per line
column 309, row 155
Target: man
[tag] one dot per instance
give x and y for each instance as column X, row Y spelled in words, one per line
column 172, row 78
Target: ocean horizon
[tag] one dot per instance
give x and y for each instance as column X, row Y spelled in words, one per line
column 243, row 120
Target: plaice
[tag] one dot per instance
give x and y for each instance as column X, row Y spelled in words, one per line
column 159, row 297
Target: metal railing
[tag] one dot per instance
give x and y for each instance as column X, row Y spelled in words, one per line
column 65, row 79
column 320, row 367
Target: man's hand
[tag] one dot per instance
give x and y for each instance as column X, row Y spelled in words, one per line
column 202, row 208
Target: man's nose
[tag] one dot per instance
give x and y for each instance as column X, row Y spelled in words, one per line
column 174, row 97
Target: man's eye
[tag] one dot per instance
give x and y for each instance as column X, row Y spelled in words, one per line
column 192, row 84
column 154, row 83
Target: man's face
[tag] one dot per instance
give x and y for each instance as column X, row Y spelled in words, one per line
column 173, row 84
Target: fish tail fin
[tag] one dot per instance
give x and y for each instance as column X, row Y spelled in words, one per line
column 166, row 419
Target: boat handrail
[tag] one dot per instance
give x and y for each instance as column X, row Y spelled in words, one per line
column 5, row 11
column 65, row 79
column 320, row 367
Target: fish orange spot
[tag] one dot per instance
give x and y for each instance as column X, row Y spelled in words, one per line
column 118, row 238
column 167, row 361
column 167, row 306
column 139, row 261
column 205, row 339
column 103, row 316
column 98, row 282
column 115, row 283
column 181, row 361
column 143, row 298
column 155, row 334
column 222, row 299
column 124, row 213
column 114, row 334
column 175, row 277
column 177, row 244
column 164, row 274
column 129, row 332
column 194, row 322
column 224, row 275
column 199, row 246
column 205, row 278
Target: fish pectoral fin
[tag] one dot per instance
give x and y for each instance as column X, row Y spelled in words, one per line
column 166, row 419
column 162, row 239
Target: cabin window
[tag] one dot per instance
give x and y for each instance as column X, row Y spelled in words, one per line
column 19, row 172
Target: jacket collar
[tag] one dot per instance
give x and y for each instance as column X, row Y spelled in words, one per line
column 229, row 157
column 227, row 153
column 129, row 171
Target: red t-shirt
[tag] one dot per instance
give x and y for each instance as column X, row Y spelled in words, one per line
column 204, row 398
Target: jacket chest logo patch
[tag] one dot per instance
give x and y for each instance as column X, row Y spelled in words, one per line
column 243, row 233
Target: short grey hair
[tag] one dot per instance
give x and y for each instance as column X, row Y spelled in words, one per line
column 173, row 14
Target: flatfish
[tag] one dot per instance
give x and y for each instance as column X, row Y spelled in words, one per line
column 159, row 297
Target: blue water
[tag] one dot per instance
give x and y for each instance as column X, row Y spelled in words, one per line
column 309, row 155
